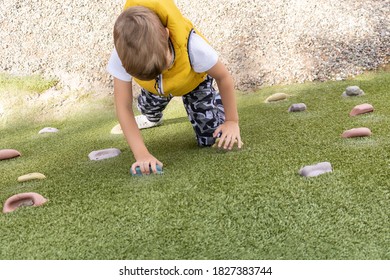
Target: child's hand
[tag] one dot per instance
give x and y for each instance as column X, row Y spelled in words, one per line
column 144, row 162
column 230, row 133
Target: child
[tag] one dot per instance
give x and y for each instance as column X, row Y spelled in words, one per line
column 160, row 50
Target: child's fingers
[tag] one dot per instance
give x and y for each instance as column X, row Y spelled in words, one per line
column 154, row 164
column 217, row 131
column 224, row 141
column 239, row 142
column 133, row 166
column 229, row 142
column 145, row 169
column 232, row 142
column 153, row 167
column 221, row 140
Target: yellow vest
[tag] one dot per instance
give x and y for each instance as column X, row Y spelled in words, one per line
column 180, row 79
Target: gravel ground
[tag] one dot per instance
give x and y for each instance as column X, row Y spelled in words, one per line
column 262, row 42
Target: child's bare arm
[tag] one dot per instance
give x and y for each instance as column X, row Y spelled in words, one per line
column 230, row 129
column 123, row 95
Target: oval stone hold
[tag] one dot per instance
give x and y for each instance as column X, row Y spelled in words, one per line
column 298, row 107
column 9, row 153
column 356, row 132
column 276, row 97
column 31, row 176
column 104, row 154
column 361, row 109
column 23, row 199
column 117, row 129
column 48, row 130
column 316, row 169
column 353, row 91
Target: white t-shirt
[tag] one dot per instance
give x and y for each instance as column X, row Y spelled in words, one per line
column 203, row 57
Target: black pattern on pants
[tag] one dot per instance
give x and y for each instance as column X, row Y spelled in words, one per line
column 203, row 105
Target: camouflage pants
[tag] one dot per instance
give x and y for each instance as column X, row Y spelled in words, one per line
column 203, row 105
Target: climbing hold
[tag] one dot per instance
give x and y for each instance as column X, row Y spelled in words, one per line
column 353, row 91
column 316, row 169
column 104, row 154
column 139, row 173
column 23, row 199
column 117, row 129
column 31, row 176
column 298, row 107
column 48, row 130
column 9, row 153
column 361, row 109
column 356, row 132
column 276, row 97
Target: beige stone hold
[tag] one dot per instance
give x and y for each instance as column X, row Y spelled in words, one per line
column 361, row 109
column 117, row 129
column 356, row 132
column 9, row 153
column 23, row 199
column 31, row 176
column 276, row 97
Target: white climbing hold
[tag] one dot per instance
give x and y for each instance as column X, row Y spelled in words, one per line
column 316, row 169
column 48, row 130
column 104, row 154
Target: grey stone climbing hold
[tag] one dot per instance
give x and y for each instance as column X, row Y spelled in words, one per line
column 353, row 91
column 298, row 107
column 316, row 169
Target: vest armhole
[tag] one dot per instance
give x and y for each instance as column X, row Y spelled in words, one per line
column 188, row 47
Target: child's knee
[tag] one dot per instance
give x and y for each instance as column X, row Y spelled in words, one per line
column 204, row 141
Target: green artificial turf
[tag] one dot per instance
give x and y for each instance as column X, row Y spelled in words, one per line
column 248, row 204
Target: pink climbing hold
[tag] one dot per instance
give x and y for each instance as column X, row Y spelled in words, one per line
column 23, row 199
column 361, row 109
column 9, row 153
column 356, row 132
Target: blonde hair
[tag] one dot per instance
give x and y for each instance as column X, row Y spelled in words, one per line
column 141, row 41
